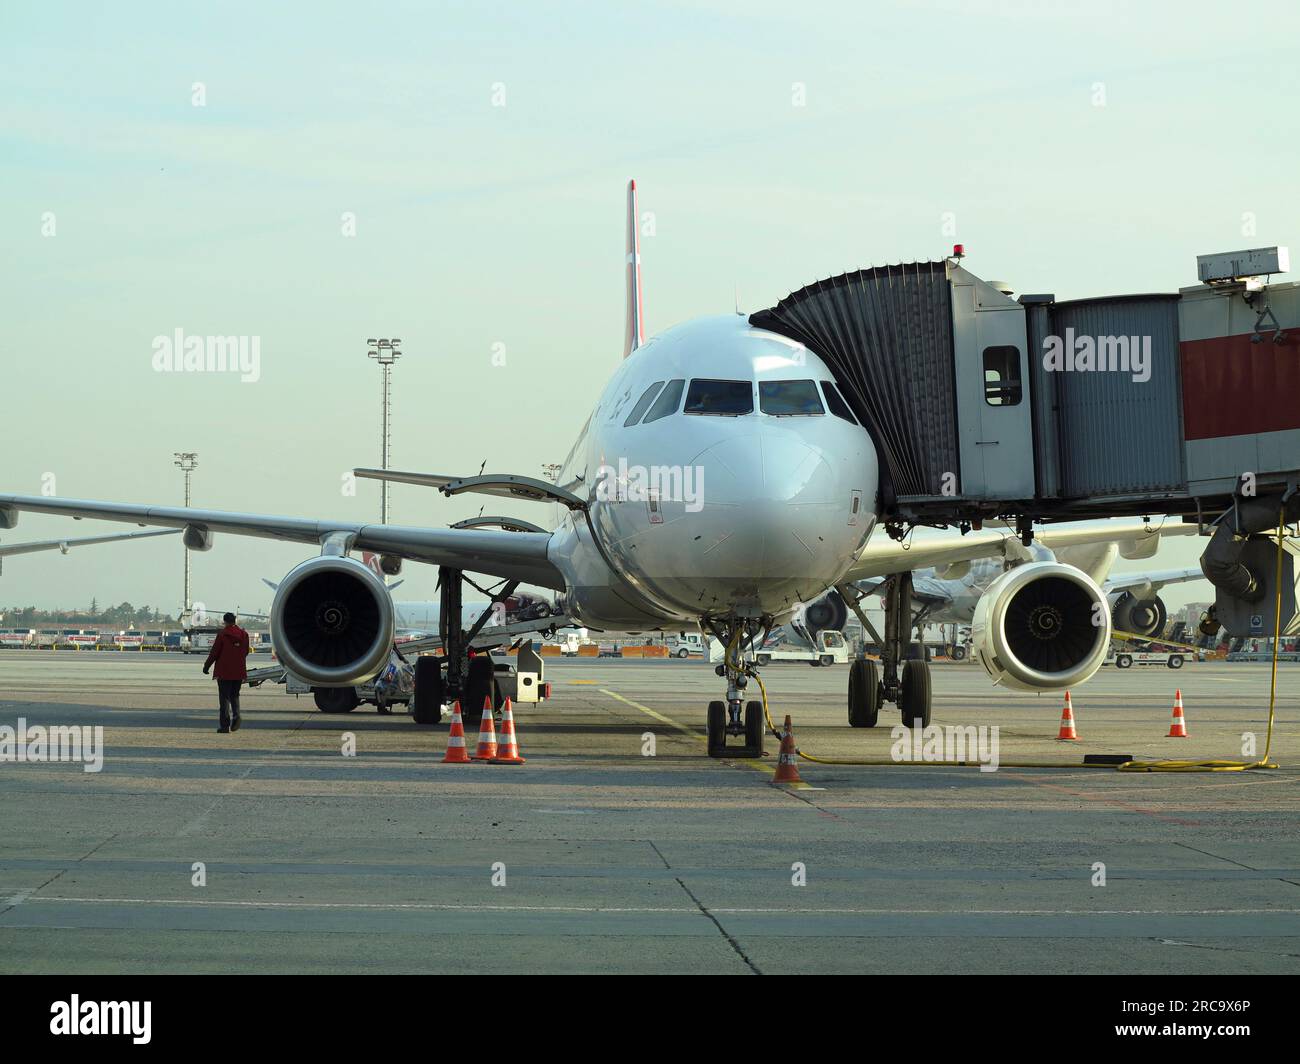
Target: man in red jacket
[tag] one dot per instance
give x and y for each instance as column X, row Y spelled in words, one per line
column 229, row 652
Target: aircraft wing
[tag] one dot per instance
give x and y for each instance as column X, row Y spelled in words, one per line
column 882, row 556
column 7, row 549
column 514, row 555
column 1156, row 579
column 1135, row 538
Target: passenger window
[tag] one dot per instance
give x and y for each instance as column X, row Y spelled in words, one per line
column 1002, row 376
column 836, row 403
column 720, row 398
column 789, row 398
column 667, row 402
column 642, row 404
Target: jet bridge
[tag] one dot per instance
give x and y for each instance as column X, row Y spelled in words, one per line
column 981, row 404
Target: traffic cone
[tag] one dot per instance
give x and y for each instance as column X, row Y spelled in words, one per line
column 509, row 746
column 787, row 768
column 487, row 735
column 1067, row 721
column 1178, row 726
column 456, row 752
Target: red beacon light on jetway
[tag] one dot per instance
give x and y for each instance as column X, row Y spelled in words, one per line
column 959, row 251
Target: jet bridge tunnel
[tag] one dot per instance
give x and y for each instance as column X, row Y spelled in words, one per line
column 983, row 405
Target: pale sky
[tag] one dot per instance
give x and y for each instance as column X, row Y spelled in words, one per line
column 1080, row 148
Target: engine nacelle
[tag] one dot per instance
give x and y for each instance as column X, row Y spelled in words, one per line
column 1147, row 617
column 828, row 612
column 1041, row 626
column 332, row 622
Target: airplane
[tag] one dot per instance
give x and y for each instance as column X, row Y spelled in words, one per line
column 64, row 545
column 721, row 481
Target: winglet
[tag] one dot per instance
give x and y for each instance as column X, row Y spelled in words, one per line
column 634, row 336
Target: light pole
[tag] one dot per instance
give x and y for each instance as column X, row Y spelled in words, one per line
column 187, row 461
column 385, row 352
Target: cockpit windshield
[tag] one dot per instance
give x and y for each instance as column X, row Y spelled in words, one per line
column 720, row 398
column 789, row 398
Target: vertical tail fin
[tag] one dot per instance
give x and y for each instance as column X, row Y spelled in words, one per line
column 634, row 335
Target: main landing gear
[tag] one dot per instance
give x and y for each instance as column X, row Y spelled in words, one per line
column 908, row 687
column 456, row 676
column 735, row 717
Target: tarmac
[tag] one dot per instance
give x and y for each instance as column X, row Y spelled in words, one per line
column 619, row 847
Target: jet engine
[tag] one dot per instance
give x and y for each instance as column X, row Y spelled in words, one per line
column 1147, row 617
column 829, row 611
column 1040, row 626
column 332, row 621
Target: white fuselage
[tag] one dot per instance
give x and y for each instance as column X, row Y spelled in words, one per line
column 702, row 515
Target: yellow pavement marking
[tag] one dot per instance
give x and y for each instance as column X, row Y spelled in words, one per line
column 757, row 766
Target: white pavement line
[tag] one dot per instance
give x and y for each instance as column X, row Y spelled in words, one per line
column 19, row 898
column 688, row 910
column 430, row 906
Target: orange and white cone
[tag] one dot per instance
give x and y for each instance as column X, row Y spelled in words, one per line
column 1178, row 726
column 1067, row 721
column 456, row 752
column 508, row 747
column 487, row 735
column 787, row 767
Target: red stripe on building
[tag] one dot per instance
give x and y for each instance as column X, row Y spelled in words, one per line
column 1232, row 387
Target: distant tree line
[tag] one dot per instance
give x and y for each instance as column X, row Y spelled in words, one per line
column 122, row 616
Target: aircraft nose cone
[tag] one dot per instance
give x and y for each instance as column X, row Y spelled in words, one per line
column 762, row 470
column 777, row 497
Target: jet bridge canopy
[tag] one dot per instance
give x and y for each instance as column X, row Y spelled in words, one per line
column 931, row 359
column 886, row 333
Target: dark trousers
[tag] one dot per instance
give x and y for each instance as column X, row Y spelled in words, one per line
column 228, row 691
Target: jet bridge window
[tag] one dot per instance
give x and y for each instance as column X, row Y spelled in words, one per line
column 1002, row 376
column 836, row 402
column 642, row 404
column 789, row 398
column 720, row 398
column 667, row 402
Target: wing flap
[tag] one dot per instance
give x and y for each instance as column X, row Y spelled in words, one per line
column 502, row 485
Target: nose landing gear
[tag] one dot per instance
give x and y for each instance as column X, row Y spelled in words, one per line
column 727, row 720
column 735, row 717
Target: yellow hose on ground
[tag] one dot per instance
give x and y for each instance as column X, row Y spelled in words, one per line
column 734, row 660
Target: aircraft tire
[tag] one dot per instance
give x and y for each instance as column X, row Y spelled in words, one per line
column 914, row 697
column 717, row 728
column 335, row 699
column 480, row 684
column 754, row 728
column 864, row 694
column 426, row 704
